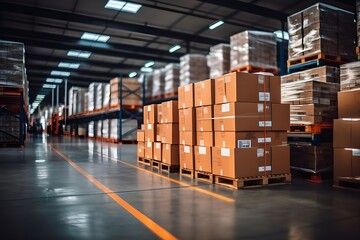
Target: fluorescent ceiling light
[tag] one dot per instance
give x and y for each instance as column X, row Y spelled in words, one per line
column 95, row 37
column 49, row 86
column 216, row 24
column 149, row 64
column 40, row 160
column 69, row 65
column 174, row 48
column 54, row 80
column 40, row 96
column 78, row 53
column 123, row 6
column 132, row 74
column 279, row 34
column 60, row 73
column 146, row 69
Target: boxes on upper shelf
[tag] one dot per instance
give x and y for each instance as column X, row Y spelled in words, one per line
column 193, row 68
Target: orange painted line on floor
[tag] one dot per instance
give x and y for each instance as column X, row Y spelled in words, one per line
column 227, row 199
column 153, row 226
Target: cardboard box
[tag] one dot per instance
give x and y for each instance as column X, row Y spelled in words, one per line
column 140, row 135
column 346, row 163
column 187, row 120
column 159, row 132
column 141, row 149
column 186, row 96
column 280, row 159
column 280, row 116
column 204, row 93
column 159, row 118
column 150, row 114
column 157, row 151
column 186, row 157
column 346, row 133
column 247, row 87
column 170, row 154
column 349, row 102
column 204, row 119
column 202, row 159
column 150, row 132
column 187, row 138
column 205, row 139
column 148, row 150
column 249, row 139
column 170, row 133
column 170, row 112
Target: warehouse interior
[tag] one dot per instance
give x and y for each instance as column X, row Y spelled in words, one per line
column 176, row 119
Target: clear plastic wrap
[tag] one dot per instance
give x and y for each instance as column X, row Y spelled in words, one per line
column 321, row 28
column 172, row 77
column 106, row 96
column 72, row 92
column 98, row 128
column 218, row 60
column 79, row 100
column 350, row 76
column 128, row 85
column 323, row 74
column 12, row 64
column 253, row 48
column 99, row 95
column 193, row 68
column 105, row 128
column 128, row 126
column 86, row 99
column 93, row 95
column 158, row 82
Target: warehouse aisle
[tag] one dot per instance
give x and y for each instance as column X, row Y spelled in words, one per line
column 66, row 188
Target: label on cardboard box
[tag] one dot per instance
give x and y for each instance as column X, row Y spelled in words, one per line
column 148, row 144
column 225, row 152
column 261, row 169
column 149, row 108
column 267, row 123
column 261, row 79
column 221, row 172
column 200, row 102
column 262, row 140
column 264, row 96
column 260, row 152
column 260, row 107
column 244, row 143
column 149, row 126
column 157, row 145
column 167, row 146
column 225, row 107
column 186, row 149
column 202, row 150
column 356, row 152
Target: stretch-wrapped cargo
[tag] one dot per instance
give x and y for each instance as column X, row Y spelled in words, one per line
column 218, row 60
column 193, row 68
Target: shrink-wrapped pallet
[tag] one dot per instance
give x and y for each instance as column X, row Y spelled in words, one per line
column 193, row 68
column 91, row 129
column 131, row 92
column 93, row 95
column 172, row 77
column 12, row 64
column 158, row 82
column 218, row 60
column 106, row 96
column 99, row 96
column 350, row 76
column 129, row 127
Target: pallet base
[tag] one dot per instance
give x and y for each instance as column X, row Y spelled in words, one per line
column 254, row 69
column 187, row 173
column 259, row 181
column 169, row 168
column 318, row 56
column 171, row 94
column 204, row 176
column 145, row 161
column 155, row 164
column 350, row 183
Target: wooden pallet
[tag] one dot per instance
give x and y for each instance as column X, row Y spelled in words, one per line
column 187, row 173
column 155, row 164
column 204, row 176
column 351, row 183
column 157, row 97
column 169, row 168
column 145, row 161
column 310, row 128
column 319, row 56
column 252, row 182
column 171, row 94
column 253, row 69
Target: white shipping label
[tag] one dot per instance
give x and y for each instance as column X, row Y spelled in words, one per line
column 260, row 152
column 221, row 172
column 202, row 85
column 140, row 150
column 225, row 152
column 261, row 79
column 244, row 143
column 157, row 145
column 264, row 96
column 268, row 168
column 149, row 126
column 356, row 152
column 183, row 128
column 200, row 102
column 149, row 108
column 222, row 127
column 224, row 99
column 260, row 107
column 202, row 142
column 261, row 140
column 201, row 129
column 225, row 107
column 268, row 124
column 183, row 142
column 183, row 105
column 202, row 150
column 187, row 88
column 167, row 146
column 149, row 144
column 186, row 149
column 223, row 143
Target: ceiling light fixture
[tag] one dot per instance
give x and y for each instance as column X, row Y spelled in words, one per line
column 123, row 6
column 216, row 24
column 146, row 69
column 132, row 74
column 95, row 37
column 69, row 65
column 78, row 53
column 54, row 80
column 49, row 86
column 149, row 64
column 174, row 48
column 60, row 73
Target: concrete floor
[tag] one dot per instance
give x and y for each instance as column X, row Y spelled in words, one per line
column 45, row 196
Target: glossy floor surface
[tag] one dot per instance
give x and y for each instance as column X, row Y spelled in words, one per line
column 65, row 188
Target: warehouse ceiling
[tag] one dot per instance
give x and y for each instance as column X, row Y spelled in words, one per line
column 49, row 29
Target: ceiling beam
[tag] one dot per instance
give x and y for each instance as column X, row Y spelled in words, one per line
column 81, row 18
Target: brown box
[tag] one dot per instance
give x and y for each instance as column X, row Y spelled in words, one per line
column 159, row 132
column 312, row 114
column 159, row 118
column 142, row 127
column 280, row 159
column 205, row 139
column 150, row 114
column 186, row 157
column 346, row 133
column 148, row 150
column 280, row 116
column 170, row 154
column 187, row 138
column 170, row 112
column 249, row 139
column 141, row 149
column 204, row 119
column 349, row 102
column 170, row 133
column 186, row 96
column 203, row 159
column 204, row 93
column 140, row 136
column 346, row 163
column 150, row 132
column 187, row 120
column 157, row 151
column 246, row 87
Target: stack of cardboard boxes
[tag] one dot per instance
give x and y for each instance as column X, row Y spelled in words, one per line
column 218, row 60
column 158, row 82
column 172, row 78
column 193, row 68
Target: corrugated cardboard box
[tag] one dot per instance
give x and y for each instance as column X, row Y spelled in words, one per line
column 247, row 87
column 170, row 133
column 346, row 163
column 280, row 115
column 149, row 150
column 204, row 119
column 203, row 159
column 187, row 120
column 170, row 113
column 150, row 113
column 312, row 114
column 204, row 92
column 205, row 139
column 186, row 157
column 170, row 154
column 159, row 132
column 157, row 151
column 346, row 133
column 280, row 159
column 186, row 96
column 150, row 132
column 140, row 136
column 349, row 102
column 141, row 149
column 187, row 138
column 159, row 117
